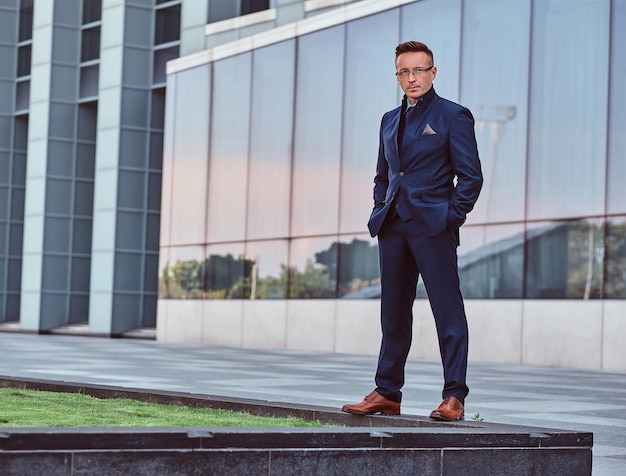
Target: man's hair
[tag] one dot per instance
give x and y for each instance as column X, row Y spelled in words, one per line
column 415, row 46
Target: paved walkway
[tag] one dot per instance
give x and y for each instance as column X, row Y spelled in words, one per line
column 570, row 399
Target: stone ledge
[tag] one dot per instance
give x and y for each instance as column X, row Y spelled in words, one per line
column 403, row 444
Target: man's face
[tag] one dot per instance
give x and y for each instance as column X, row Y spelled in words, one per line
column 415, row 86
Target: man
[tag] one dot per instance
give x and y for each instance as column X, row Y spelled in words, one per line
column 425, row 144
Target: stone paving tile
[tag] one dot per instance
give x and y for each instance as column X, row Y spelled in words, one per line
column 570, row 399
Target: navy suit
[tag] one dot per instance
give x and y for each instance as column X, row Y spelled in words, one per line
column 418, row 210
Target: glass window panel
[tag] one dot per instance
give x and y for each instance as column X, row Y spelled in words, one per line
column 55, row 273
column 64, row 83
column 3, row 242
column 135, row 107
column 153, row 223
column 58, row 196
column 4, row 203
column 154, row 191
column 370, row 47
column 149, row 311
column 89, row 81
column 131, row 189
column 19, row 169
column 90, row 46
column 83, row 201
column 128, row 271
column 5, row 132
column 227, row 191
column 14, row 282
column 57, row 235
column 60, row 158
column 151, row 273
column 181, row 276
column 158, row 108
column 268, row 273
column 270, row 141
column 220, row 10
column 161, row 57
column 3, row 276
column 81, row 243
column 441, row 32
column 564, row 260
column 313, row 268
column 495, row 87
column 156, row 151
column 22, row 95
column 359, row 273
column 616, row 198
column 567, row 138
column 5, row 168
column 92, row 10
column 80, row 273
column 137, row 67
column 13, row 306
column 187, row 172
column 85, row 160
column 16, row 239
column 21, row 133
column 79, row 309
column 251, row 6
column 133, row 149
column 315, row 190
column 224, row 269
column 615, row 284
column 17, row 204
column 26, row 20
column 129, row 231
column 87, row 119
column 23, row 60
column 491, row 261
column 66, row 44
column 167, row 25
column 64, row 123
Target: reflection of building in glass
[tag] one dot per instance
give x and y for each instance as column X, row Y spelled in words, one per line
column 223, row 198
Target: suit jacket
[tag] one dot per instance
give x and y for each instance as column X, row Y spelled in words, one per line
column 438, row 146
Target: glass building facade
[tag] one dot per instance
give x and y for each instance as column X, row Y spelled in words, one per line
column 270, row 153
column 205, row 168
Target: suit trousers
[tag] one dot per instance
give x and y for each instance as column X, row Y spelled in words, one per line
column 405, row 253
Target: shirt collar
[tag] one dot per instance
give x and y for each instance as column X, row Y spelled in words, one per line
column 425, row 97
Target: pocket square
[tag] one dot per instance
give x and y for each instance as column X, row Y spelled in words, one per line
column 428, row 130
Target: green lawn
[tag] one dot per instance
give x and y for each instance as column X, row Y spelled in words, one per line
column 33, row 408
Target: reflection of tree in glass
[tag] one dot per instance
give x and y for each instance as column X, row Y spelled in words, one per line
column 230, row 277
column 183, row 280
column 314, row 282
column 615, row 285
column 585, row 252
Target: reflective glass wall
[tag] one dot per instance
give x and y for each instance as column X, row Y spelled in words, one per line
column 270, row 154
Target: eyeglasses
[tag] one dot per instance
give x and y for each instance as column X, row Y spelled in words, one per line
column 404, row 73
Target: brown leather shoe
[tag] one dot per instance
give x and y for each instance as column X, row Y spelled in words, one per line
column 451, row 409
column 373, row 403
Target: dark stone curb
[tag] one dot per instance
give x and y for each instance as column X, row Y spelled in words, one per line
column 361, row 445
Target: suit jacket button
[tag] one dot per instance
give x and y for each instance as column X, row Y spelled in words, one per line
column 401, row 174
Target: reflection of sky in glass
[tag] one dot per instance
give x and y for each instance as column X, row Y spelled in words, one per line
column 228, row 166
column 568, row 118
column 496, row 91
column 303, row 171
column 616, row 200
column 304, row 249
column 318, row 115
column 269, row 256
column 370, row 91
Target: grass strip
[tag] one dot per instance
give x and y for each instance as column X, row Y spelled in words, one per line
column 35, row 408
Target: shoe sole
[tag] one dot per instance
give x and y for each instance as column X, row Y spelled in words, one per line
column 382, row 412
